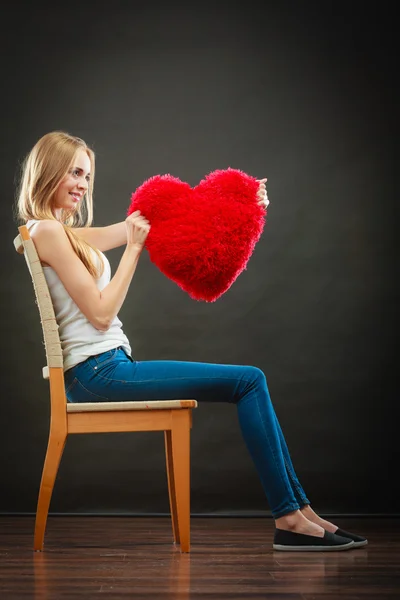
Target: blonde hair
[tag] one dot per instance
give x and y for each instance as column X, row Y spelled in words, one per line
column 42, row 172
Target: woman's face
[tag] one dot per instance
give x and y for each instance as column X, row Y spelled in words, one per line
column 74, row 185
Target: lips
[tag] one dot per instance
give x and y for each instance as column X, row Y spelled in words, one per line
column 76, row 197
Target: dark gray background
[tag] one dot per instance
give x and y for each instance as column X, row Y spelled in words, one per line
column 296, row 92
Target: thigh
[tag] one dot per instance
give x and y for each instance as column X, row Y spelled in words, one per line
column 127, row 379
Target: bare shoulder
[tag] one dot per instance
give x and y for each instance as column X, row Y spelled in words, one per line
column 51, row 241
column 55, row 251
column 47, row 226
column 47, row 232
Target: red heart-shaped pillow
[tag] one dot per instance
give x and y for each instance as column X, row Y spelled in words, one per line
column 201, row 237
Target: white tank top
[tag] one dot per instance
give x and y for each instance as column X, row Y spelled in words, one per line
column 79, row 339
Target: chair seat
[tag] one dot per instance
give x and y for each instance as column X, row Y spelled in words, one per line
column 141, row 405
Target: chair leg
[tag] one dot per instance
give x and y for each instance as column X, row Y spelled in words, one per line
column 178, row 451
column 54, row 453
column 171, row 485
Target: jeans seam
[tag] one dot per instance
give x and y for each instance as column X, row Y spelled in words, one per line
column 270, row 449
column 91, row 393
column 158, row 380
column 291, row 474
column 69, row 386
column 293, row 480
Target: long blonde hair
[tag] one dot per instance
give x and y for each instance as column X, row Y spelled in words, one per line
column 42, row 171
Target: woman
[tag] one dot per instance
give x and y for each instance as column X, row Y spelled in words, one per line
column 55, row 202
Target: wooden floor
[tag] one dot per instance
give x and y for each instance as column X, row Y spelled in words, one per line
column 121, row 557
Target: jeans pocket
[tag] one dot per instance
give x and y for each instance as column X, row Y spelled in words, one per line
column 77, row 392
column 105, row 357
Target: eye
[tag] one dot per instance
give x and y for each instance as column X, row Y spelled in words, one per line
column 77, row 172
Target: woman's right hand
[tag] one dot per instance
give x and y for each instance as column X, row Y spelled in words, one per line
column 137, row 229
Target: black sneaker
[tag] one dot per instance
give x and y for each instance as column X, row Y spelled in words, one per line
column 291, row 541
column 358, row 540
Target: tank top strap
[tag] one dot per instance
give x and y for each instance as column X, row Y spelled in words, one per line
column 31, row 223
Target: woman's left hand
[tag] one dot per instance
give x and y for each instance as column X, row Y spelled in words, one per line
column 262, row 193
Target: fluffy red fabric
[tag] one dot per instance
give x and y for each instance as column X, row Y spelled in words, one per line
column 201, row 237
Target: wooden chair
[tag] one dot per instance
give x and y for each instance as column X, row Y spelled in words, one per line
column 174, row 417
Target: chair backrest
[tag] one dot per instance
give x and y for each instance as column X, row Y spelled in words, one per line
column 24, row 245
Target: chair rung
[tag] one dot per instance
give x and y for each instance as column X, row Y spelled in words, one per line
column 142, row 405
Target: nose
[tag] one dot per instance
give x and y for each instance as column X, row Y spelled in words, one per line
column 82, row 184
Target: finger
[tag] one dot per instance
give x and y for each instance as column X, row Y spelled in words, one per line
column 262, row 180
column 141, row 221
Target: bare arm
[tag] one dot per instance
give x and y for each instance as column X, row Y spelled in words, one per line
column 113, row 295
column 103, row 238
column 99, row 308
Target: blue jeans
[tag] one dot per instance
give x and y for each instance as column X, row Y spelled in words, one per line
column 115, row 376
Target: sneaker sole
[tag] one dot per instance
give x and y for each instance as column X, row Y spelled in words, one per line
column 285, row 548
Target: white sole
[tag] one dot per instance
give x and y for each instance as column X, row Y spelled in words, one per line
column 285, row 548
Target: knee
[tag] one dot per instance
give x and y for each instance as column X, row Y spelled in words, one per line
column 252, row 380
column 256, row 375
